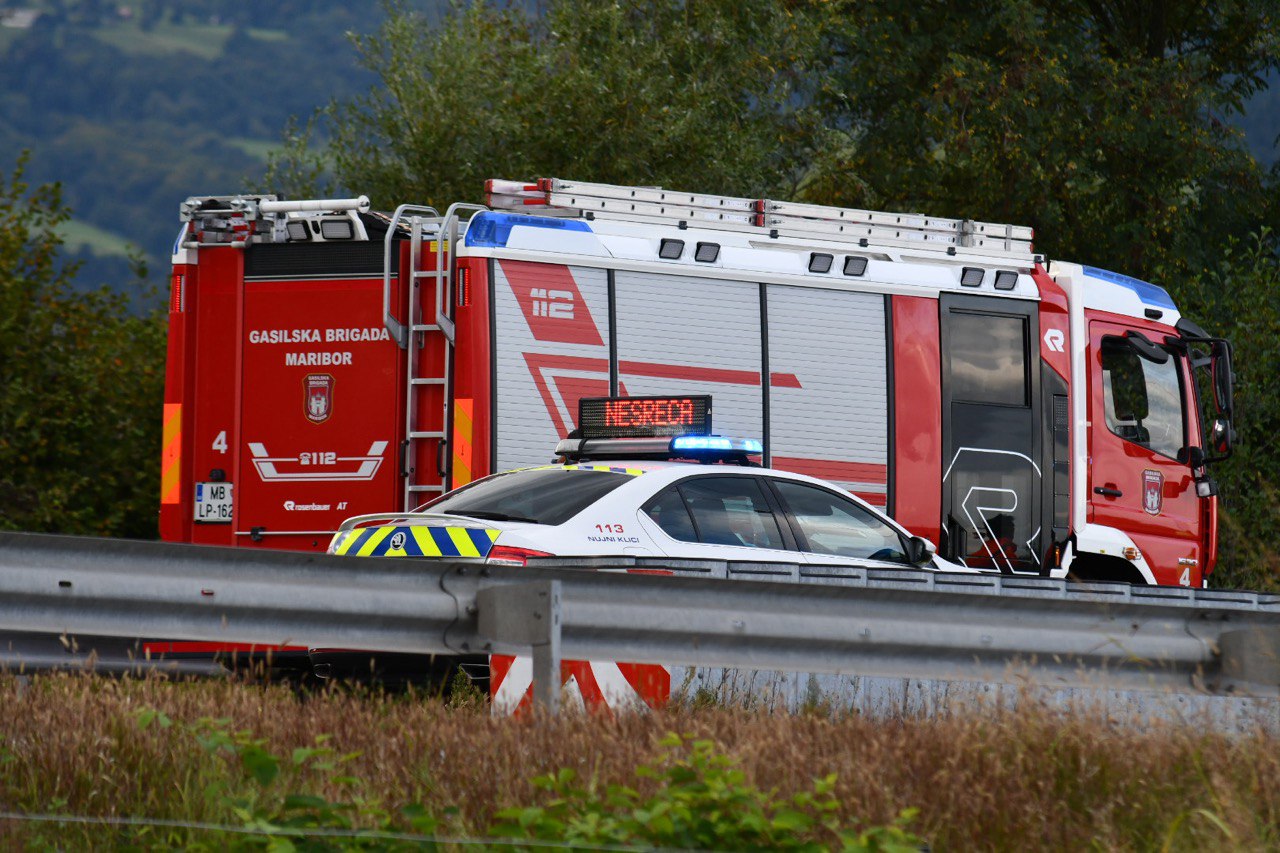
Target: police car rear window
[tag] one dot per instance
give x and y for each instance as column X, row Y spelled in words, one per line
column 541, row 496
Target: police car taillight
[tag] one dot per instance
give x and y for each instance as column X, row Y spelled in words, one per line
column 510, row 555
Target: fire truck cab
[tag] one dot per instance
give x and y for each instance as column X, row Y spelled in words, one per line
column 1035, row 418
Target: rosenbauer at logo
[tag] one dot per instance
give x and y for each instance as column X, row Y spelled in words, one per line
column 294, row 506
column 1152, row 491
column 319, row 396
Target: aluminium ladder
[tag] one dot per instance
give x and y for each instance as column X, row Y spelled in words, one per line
column 418, row 334
column 557, row 197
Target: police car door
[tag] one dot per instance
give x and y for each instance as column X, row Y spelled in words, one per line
column 719, row 517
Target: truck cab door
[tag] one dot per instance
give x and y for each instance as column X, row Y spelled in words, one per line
column 992, row 483
column 1139, row 407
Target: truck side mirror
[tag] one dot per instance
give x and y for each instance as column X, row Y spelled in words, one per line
column 1220, row 436
column 1146, row 348
column 1223, row 378
column 920, row 550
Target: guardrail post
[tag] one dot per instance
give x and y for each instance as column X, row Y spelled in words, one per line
column 1250, row 661
column 527, row 614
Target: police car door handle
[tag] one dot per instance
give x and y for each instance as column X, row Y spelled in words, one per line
column 1109, row 492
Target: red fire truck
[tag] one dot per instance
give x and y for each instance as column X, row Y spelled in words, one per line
column 1030, row 417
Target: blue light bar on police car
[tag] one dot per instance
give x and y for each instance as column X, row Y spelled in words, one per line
column 720, row 443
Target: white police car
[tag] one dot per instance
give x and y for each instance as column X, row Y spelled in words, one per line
column 653, row 494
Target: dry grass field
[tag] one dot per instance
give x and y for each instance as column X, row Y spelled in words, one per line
column 240, row 755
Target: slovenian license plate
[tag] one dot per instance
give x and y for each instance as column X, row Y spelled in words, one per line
column 213, row 503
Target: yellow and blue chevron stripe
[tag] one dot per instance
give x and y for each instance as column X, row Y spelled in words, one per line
column 417, row 541
column 635, row 472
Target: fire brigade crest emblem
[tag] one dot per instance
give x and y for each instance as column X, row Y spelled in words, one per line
column 319, row 397
column 1152, row 491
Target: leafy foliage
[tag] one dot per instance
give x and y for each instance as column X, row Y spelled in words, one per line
column 294, row 818
column 703, row 802
column 1099, row 123
column 634, row 92
column 80, row 385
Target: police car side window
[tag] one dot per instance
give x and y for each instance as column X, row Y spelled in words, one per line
column 833, row 525
column 731, row 511
column 668, row 511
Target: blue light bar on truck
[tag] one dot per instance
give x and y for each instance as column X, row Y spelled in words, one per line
column 493, row 229
column 1151, row 294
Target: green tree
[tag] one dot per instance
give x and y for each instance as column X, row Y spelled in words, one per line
column 81, row 382
column 695, row 95
column 1099, row 123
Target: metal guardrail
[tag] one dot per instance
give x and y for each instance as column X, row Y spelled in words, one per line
column 841, row 619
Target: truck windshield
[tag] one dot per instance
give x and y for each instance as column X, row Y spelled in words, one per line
column 536, row 495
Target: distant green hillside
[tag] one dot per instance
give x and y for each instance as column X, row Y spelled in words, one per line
column 204, row 40
column 133, row 106
column 81, row 236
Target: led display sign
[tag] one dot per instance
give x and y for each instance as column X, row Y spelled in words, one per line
column 644, row 417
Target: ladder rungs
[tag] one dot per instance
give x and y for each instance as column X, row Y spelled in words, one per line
column 894, row 236
column 425, row 380
column 866, row 227
column 426, row 433
column 425, row 327
column 429, row 274
column 834, row 232
column 436, row 488
column 652, row 195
